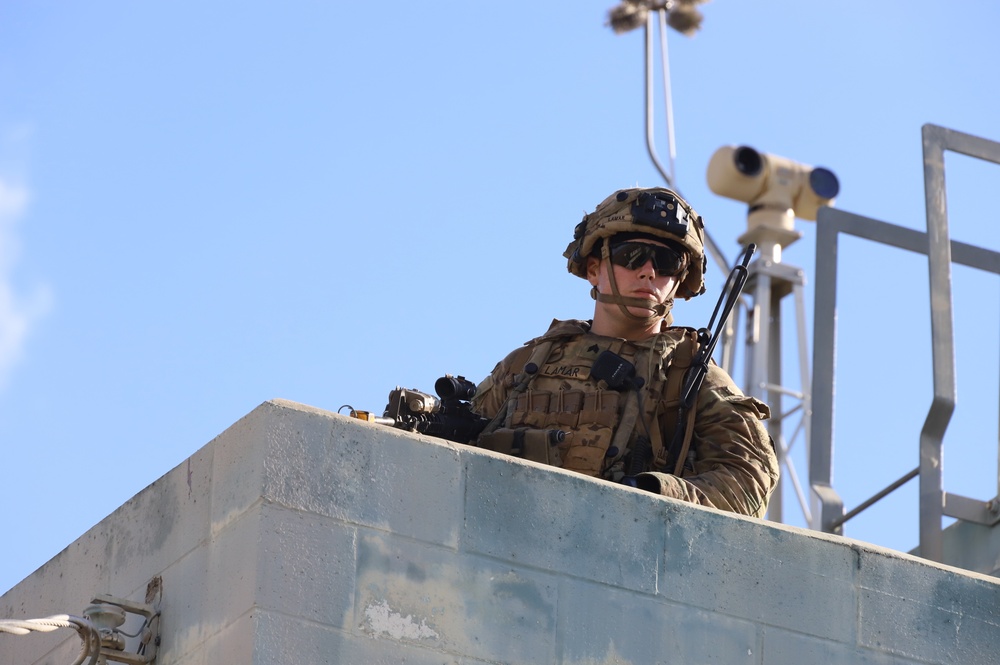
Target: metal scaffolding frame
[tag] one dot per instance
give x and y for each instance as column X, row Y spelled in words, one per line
column 769, row 283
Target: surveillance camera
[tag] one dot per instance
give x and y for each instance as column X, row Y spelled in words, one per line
column 771, row 183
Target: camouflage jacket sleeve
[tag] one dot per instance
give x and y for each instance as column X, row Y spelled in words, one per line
column 735, row 467
column 491, row 393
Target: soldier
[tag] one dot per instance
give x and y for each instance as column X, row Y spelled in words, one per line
column 602, row 397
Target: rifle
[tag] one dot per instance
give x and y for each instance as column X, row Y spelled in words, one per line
column 707, row 340
column 447, row 416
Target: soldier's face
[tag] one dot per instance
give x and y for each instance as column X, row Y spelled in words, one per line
column 638, row 282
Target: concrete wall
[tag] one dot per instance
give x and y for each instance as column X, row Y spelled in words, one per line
column 300, row 536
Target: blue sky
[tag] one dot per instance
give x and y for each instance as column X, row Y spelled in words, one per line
column 204, row 206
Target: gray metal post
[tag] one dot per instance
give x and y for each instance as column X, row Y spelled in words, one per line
column 942, row 344
column 826, row 503
column 758, row 346
column 773, row 380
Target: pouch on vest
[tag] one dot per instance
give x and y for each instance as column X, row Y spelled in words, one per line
column 537, row 445
column 572, row 408
column 589, row 418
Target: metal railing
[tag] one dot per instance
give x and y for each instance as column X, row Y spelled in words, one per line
column 935, row 503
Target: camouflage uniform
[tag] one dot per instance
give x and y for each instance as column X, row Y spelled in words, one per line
column 731, row 464
column 544, row 404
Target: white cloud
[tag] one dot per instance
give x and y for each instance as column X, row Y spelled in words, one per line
column 17, row 313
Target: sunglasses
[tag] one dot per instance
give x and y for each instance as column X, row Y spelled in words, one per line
column 633, row 255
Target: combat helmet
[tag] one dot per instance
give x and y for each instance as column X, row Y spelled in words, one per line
column 656, row 212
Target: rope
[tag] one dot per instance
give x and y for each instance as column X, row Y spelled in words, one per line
column 84, row 628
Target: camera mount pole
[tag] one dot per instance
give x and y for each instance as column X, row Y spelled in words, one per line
column 682, row 16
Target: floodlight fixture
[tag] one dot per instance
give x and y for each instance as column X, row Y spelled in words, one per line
column 682, row 15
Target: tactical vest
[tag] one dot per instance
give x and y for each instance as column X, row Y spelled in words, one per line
column 561, row 415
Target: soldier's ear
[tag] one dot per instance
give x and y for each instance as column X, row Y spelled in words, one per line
column 593, row 270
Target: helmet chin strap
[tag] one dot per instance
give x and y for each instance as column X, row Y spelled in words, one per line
column 660, row 310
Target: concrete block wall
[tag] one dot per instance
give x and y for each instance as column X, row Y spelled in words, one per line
column 301, row 536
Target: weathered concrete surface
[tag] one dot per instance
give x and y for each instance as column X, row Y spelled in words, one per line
column 302, row 536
